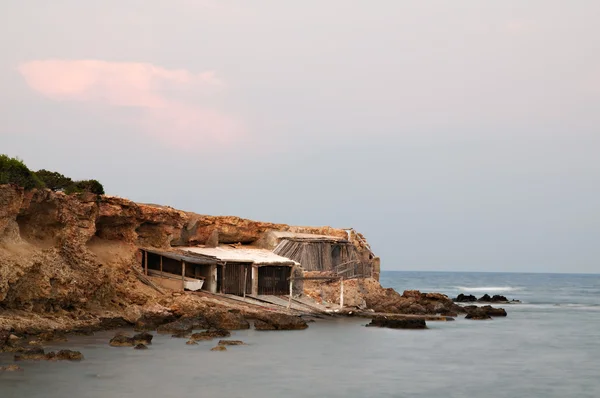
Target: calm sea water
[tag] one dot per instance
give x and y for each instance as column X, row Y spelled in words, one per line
column 548, row 346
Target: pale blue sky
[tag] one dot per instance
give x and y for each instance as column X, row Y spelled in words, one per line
column 457, row 135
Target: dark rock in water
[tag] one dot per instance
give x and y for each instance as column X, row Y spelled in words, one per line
column 462, row 298
column 31, row 354
column 498, row 298
column 113, row 323
column 486, row 298
column 179, row 326
column 140, row 347
column 210, row 334
column 491, row 311
column 386, row 322
column 228, row 320
column 52, row 336
column 152, row 322
column 65, row 355
column 181, row 335
column 121, row 340
column 11, row 368
column 231, row 342
column 219, row 348
column 277, row 321
column 478, row 315
column 191, row 342
column 143, row 338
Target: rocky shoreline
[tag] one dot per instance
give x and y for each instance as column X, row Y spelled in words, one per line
column 66, row 269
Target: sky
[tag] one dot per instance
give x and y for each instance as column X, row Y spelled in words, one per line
column 455, row 135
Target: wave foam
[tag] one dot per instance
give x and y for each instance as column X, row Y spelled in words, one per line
column 487, row 288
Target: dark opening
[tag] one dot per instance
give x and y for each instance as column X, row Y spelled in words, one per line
column 273, row 280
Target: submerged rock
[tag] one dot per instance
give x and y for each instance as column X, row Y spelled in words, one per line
column 140, row 347
column 231, row 342
column 34, row 354
column 277, row 321
column 143, row 338
column 219, row 348
column 396, row 323
column 482, row 313
column 210, row 334
column 65, row 355
column 191, row 342
column 11, row 368
column 121, row 340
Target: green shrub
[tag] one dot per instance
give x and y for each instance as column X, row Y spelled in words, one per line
column 14, row 171
column 53, row 180
column 92, row 186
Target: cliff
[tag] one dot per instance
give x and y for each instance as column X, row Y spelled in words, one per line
column 70, row 256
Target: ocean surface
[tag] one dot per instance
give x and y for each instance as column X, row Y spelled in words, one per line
column 548, row 346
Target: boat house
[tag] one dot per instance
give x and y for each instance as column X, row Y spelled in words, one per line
column 224, row 269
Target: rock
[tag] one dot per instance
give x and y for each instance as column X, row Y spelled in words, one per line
column 181, row 335
column 143, row 338
column 35, row 342
column 52, row 336
column 210, row 334
column 462, row 298
column 13, row 337
column 485, row 298
column 478, row 316
column 182, row 325
column 231, row 342
column 228, row 320
column 498, row 298
column 219, row 348
column 11, row 368
column 397, row 323
column 412, row 294
column 152, row 317
column 132, row 313
column 65, row 355
column 121, row 340
column 277, row 321
column 491, row 311
column 191, row 342
column 30, row 354
column 140, row 347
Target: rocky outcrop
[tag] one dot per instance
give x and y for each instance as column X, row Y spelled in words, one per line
column 67, row 258
column 484, row 312
column 463, row 298
column 121, row 340
column 368, row 293
column 397, row 323
column 231, row 342
column 276, row 321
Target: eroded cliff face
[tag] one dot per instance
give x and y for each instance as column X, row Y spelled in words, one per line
column 71, row 254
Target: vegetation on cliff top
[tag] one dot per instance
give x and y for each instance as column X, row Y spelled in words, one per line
column 14, row 171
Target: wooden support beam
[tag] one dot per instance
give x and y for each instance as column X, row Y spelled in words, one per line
column 342, row 292
column 245, row 279
column 183, row 275
column 161, row 271
column 146, row 263
column 291, row 291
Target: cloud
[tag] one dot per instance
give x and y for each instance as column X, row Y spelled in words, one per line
column 172, row 103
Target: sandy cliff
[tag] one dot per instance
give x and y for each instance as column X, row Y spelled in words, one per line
column 68, row 258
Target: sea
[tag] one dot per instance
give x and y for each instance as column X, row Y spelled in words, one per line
column 548, row 346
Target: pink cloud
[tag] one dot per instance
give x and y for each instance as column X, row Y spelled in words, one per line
column 162, row 95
